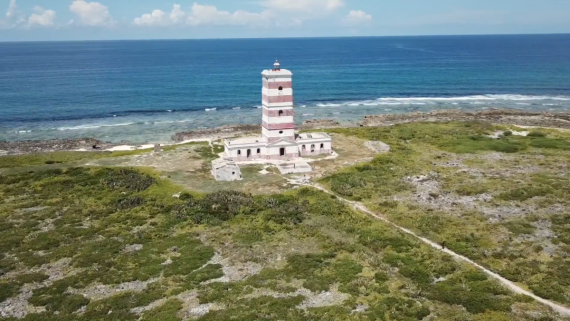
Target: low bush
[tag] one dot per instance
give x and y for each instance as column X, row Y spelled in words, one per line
column 475, row 144
column 550, row 143
column 536, row 134
column 524, row 193
column 166, row 312
column 8, row 290
column 519, row 227
column 130, row 202
column 128, row 179
column 31, row 278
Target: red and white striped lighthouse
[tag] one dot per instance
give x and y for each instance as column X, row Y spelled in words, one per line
column 277, row 100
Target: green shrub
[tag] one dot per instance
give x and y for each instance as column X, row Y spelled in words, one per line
column 550, row 143
column 130, row 202
column 166, row 312
column 31, row 278
column 474, row 144
column 525, row 193
column 185, row 196
column 128, row 179
column 8, row 290
column 536, row 134
column 416, row 273
column 473, row 300
column 519, row 227
column 550, row 290
column 508, row 133
column 381, row 277
column 393, row 308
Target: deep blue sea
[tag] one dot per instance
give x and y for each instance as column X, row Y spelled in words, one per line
column 145, row 91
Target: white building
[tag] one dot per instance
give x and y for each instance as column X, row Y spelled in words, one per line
column 225, row 170
column 278, row 139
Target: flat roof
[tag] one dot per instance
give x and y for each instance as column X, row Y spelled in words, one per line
column 313, row 135
column 280, row 72
column 245, row 140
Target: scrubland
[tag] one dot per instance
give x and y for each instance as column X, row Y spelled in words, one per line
column 126, row 243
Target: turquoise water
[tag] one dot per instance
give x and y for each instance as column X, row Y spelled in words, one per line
column 145, row 91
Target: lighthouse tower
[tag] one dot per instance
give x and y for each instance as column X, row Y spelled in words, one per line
column 278, row 140
column 277, row 99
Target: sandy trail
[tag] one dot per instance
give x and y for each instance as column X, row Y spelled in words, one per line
column 512, row 286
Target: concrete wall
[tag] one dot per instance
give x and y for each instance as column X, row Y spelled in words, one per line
column 308, row 151
column 275, row 135
column 241, row 152
column 228, row 173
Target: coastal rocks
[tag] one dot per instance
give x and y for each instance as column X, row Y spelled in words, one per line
column 498, row 116
column 216, row 133
column 319, row 123
column 42, row 146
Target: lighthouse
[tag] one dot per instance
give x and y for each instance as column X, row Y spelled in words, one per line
column 277, row 100
column 278, row 140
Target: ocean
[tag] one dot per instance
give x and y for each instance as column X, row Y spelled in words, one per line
column 145, row 91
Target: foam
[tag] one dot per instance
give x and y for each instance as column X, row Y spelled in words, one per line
column 80, row 127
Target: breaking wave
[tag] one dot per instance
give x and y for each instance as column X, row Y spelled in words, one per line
column 473, row 100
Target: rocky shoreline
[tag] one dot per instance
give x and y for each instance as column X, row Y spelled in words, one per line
column 54, row 145
column 497, row 116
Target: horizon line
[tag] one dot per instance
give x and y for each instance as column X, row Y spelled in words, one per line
column 300, row 37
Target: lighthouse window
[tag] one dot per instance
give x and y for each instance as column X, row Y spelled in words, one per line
column 259, row 150
column 239, row 152
column 280, row 87
column 280, row 113
column 280, row 132
column 322, row 146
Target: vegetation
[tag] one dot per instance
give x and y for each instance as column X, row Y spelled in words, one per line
column 113, row 243
column 117, row 228
column 501, row 202
column 55, row 158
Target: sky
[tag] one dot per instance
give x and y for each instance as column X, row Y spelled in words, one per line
column 47, row 20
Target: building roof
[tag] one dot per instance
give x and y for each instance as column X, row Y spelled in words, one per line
column 246, row 141
column 277, row 73
column 313, row 136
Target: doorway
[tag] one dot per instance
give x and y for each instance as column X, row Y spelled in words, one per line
column 248, row 153
column 282, row 151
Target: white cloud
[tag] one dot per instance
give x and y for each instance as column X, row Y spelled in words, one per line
column 357, row 17
column 157, row 17
column 43, row 18
column 12, row 8
column 92, row 13
column 203, row 15
column 177, row 14
column 303, row 5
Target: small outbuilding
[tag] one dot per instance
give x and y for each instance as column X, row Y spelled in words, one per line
column 225, row 170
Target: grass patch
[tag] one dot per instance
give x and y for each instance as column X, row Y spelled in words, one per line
column 475, row 144
column 52, row 158
column 550, row 143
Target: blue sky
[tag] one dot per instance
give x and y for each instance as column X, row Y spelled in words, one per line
column 23, row 20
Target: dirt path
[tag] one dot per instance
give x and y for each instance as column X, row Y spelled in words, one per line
column 512, row 286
